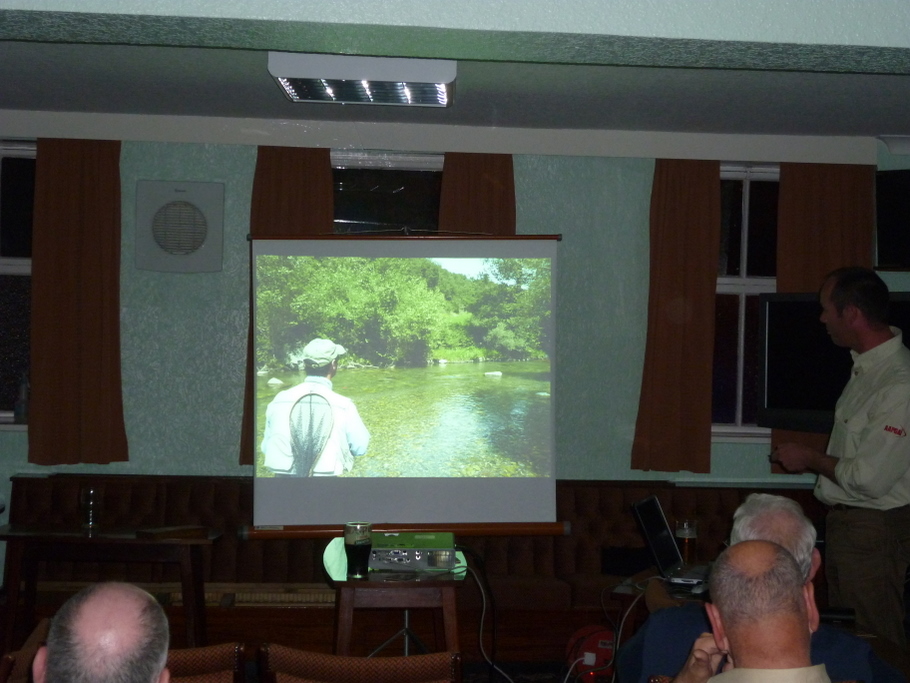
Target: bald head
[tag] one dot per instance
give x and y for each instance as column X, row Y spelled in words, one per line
column 763, row 611
column 754, row 579
column 108, row 632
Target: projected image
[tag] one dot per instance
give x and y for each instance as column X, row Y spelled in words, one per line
column 403, row 366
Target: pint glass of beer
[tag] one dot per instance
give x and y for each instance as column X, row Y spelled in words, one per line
column 358, row 541
column 686, row 539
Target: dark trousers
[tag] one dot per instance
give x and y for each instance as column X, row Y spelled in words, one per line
column 866, row 558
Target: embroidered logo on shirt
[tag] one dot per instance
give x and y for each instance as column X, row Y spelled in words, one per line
column 899, row 431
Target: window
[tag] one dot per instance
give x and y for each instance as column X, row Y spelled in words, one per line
column 386, row 192
column 747, row 268
column 17, row 193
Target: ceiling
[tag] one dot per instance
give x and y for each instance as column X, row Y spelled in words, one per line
column 867, row 97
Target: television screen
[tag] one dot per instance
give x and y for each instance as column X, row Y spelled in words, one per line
column 802, row 373
column 403, row 380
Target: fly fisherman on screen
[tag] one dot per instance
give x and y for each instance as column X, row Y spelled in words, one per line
column 311, row 431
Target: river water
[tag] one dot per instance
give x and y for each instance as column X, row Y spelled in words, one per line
column 452, row 420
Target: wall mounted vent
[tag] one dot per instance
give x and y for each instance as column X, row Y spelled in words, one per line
column 179, row 226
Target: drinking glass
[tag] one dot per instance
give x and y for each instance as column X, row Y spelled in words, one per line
column 686, row 539
column 90, row 508
column 358, row 542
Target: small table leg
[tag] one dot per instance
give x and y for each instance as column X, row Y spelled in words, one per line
column 450, row 619
column 193, row 589
column 13, row 578
column 344, row 615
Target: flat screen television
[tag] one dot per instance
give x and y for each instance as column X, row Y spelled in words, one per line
column 801, row 372
column 448, row 361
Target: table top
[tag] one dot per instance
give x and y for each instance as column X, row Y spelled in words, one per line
column 336, row 565
column 119, row 535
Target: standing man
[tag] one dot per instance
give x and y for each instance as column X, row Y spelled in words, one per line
column 311, row 431
column 864, row 478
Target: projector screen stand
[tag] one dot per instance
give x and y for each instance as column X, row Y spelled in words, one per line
column 409, row 636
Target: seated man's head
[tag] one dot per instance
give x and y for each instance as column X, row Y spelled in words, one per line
column 108, row 632
column 763, row 611
column 320, row 357
column 763, row 517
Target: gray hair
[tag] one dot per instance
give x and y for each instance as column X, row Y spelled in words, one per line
column 763, row 517
column 743, row 595
column 70, row 659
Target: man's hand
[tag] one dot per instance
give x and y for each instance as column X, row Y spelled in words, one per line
column 796, row 459
column 793, row 457
column 703, row 661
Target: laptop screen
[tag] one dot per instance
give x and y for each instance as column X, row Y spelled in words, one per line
column 654, row 528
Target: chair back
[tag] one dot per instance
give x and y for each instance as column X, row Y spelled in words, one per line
column 212, row 664
column 16, row 667
column 281, row 664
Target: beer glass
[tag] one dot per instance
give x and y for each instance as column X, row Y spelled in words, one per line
column 90, row 508
column 358, row 541
column 686, row 538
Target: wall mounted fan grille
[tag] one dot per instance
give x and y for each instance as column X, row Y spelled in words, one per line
column 179, row 226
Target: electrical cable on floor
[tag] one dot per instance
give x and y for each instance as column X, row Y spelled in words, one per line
column 572, row 666
column 483, row 611
column 641, row 586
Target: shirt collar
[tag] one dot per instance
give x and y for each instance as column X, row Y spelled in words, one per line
column 866, row 360
column 316, row 379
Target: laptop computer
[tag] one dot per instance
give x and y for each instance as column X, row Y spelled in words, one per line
column 653, row 525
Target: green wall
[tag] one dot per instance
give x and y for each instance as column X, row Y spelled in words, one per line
column 184, row 335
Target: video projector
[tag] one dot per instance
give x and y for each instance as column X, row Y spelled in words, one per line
column 412, row 551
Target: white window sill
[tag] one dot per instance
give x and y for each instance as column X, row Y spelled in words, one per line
column 744, row 435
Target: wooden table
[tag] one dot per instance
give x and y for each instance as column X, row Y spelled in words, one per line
column 27, row 545
column 391, row 590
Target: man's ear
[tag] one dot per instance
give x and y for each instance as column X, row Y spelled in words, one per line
column 717, row 626
column 811, row 607
column 851, row 314
column 816, row 563
column 39, row 665
column 165, row 676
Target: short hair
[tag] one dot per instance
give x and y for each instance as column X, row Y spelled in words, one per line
column 862, row 288
column 317, row 370
column 744, row 594
column 764, row 517
column 71, row 660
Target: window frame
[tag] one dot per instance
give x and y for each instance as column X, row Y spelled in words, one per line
column 16, row 266
column 742, row 286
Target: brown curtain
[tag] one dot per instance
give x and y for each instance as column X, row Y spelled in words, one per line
column 477, row 195
column 826, row 219
column 673, row 430
column 292, row 197
column 76, row 411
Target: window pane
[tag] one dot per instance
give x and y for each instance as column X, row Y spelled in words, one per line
column 723, row 397
column 731, row 226
column 762, row 254
column 15, row 308
column 17, row 197
column 750, row 362
column 386, row 201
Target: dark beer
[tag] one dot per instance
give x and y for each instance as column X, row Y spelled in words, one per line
column 358, row 559
column 358, row 542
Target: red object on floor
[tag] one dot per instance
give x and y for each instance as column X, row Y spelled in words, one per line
column 593, row 640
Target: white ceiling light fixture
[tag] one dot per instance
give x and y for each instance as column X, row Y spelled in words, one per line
column 896, row 144
column 347, row 79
